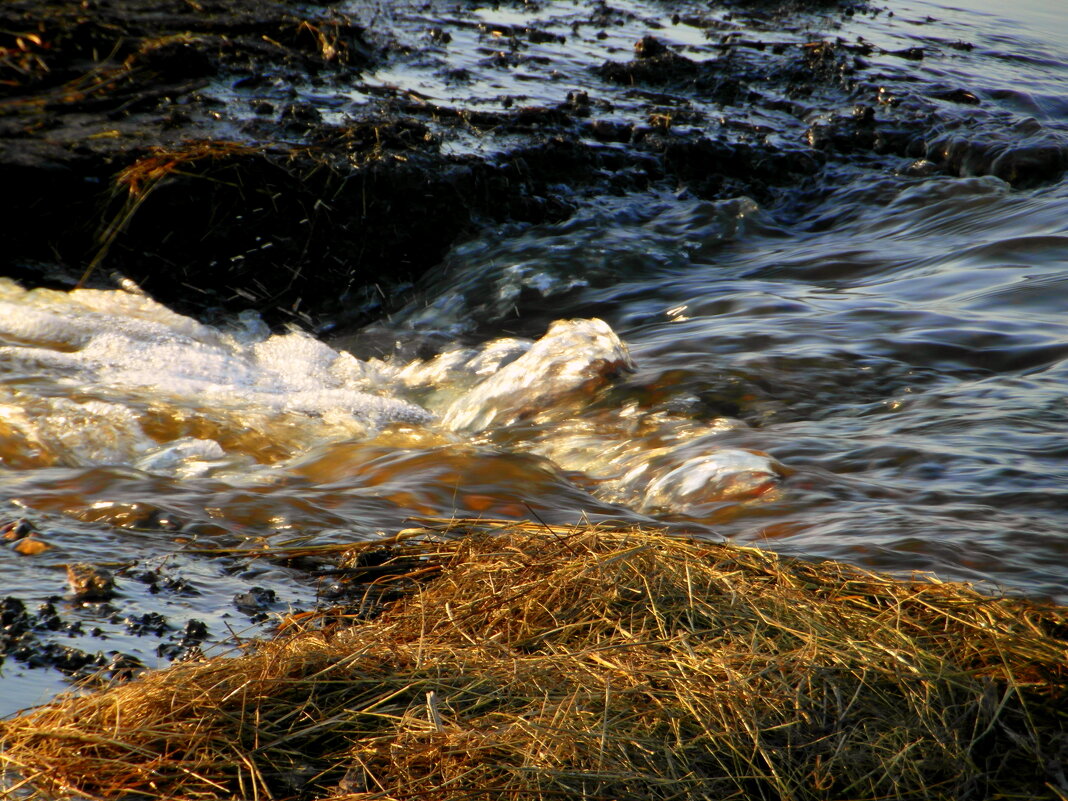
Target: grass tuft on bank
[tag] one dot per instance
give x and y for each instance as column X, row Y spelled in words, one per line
column 523, row 661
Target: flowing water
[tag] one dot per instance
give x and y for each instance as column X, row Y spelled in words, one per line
column 872, row 369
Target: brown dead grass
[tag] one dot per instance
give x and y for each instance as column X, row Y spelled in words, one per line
column 523, row 661
column 144, row 174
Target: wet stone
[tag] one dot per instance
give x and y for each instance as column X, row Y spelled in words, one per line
column 195, row 631
column 24, row 537
column 15, row 623
column 650, row 47
column 90, row 583
column 74, row 628
column 30, row 546
column 158, row 581
column 48, row 618
column 185, row 643
column 957, row 95
column 123, row 667
column 147, row 623
column 666, row 68
column 17, row 529
column 67, row 659
column 256, row 602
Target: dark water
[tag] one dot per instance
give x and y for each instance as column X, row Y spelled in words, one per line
column 870, row 368
column 906, row 360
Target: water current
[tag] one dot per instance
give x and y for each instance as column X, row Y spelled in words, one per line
column 873, row 370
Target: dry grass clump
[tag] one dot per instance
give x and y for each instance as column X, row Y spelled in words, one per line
column 532, row 662
column 144, row 174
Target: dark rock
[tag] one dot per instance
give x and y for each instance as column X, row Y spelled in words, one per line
column 650, row 47
column 667, row 68
column 48, row 618
column 147, row 623
column 255, row 602
column 90, row 583
column 17, row 529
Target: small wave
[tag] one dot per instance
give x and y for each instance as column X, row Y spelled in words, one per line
column 1024, row 155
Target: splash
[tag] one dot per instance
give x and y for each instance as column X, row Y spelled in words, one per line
column 96, row 378
column 574, row 356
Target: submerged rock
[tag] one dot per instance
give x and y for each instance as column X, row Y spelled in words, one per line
column 90, row 582
column 724, row 474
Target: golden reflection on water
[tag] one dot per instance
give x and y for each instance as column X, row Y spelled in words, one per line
column 137, row 417
column 260, row 437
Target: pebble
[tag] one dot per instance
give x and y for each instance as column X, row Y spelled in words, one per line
column 89, row 582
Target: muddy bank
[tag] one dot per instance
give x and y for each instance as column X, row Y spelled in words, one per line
column 309, row 162
column 532, row 661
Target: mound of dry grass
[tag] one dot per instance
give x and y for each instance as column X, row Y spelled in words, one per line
column 527, row 662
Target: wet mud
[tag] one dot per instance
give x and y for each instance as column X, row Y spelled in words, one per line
column 240, row 155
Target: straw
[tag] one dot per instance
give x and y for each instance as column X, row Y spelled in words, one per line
column 524, row 661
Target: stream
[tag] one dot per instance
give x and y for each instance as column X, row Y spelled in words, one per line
column 870, row 367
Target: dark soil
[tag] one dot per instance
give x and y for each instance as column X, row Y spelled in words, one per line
column 118, row 159
column 192, row 145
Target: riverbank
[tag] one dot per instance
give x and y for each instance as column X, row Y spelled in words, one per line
column 531, row 661
column 309, row 163
column 828, row 234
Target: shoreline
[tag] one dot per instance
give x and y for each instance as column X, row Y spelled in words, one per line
column 240, row 155
column 534, row 661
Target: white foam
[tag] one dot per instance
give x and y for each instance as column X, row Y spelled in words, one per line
column 573, row 354
column 127, row 342
column 98, row 377
column 54, row 430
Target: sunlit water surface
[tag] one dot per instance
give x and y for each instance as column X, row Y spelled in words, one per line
column 876, row 373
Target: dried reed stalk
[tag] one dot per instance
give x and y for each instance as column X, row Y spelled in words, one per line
column 536, row 662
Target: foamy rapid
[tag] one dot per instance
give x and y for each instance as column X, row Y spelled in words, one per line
column 112, row 377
